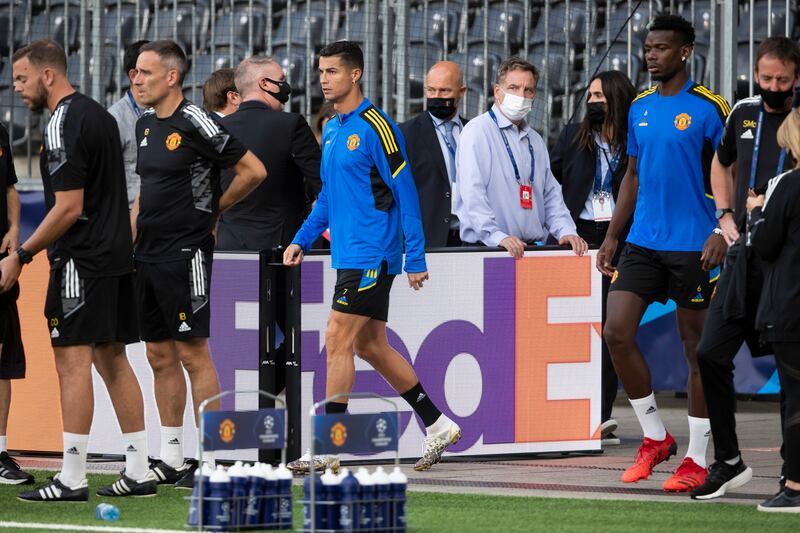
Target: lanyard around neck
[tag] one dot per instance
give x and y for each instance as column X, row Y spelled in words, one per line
column 511, row 154
column 133, row 103
column 757, row 147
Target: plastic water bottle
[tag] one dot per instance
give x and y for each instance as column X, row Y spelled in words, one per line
column 106, row 511
column 284, row 476
column 349, row 513
column 219, row 499
column 366, row 495
column 318, row 509
column 238, row 477
column 398, row 482
column 257, row 487
column 269, row 509
column 331, row 488
column 382, row 515
column 205, row 473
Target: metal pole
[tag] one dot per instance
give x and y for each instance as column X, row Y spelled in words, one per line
column 485, row 95
column 546, row 73
column 505, row 33
column 402, row 59
column 288, row 17
column 608, row 34
column 586, row 45
column 526, row 8
column 386, row 56
column 567, row 105
column 269, row 29
column 728, row 48
column 120, row 53
column 98, row 87
column 769, row 18
column 194, row 49
column 445, row 28
column 750, row 56
column 630, row 38
column 249, row 28
column 307, row 65
column 711, row 60
column 372, row 49
column 232, row 22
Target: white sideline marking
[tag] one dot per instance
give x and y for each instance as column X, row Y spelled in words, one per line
column 69, row 527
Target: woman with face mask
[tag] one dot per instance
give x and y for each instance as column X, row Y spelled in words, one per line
column 589, row 161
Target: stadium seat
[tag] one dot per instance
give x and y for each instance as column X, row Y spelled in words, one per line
column 301, row 23
column 617, row 60
column 240, row 22
column 616, row 22
column 556, row 64
column 293, row 63
column 420, row 59
column 417, row 23
column 178, row 24
column 763, row 19
column 500, row 24
column 702, row 19
column 17, row 128
column 561, row 25
column 472, row 64
column 53, row 25
column 354, row 27
column 126, row 32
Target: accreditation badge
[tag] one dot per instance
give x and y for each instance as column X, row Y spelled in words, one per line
column 601, row 204
column 525, row 197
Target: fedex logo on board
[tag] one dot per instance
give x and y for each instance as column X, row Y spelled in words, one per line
column 519, row 362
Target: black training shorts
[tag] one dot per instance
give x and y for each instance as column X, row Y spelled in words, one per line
column 12, row 353
column 84, row 310
column 363, row 292
column 173, row 298
column 659, row 276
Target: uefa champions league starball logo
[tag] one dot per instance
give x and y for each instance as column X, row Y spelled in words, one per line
column 269, row 423
column 381, row 426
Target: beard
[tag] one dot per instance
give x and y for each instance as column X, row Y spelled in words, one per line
column 38, row 101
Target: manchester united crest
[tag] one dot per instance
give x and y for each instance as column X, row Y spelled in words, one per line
column 338, row 434
column 683, row 121
column 353, row 142
column 227, row 430
column 173, row 141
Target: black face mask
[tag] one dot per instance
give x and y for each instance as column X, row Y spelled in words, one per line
column 284, row 90
column 441, row 108
column 596, row 112
column 775, row 99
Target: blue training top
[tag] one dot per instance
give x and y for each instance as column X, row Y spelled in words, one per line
column 674, row 139
column 368, row 196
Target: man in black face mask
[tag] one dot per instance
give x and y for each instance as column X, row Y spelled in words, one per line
column 750, row 142
column 434, row 170
column 283, row 141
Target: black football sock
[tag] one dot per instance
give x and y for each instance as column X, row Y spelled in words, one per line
column 419, row 400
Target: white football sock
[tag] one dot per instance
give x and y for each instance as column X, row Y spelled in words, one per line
column 136, row 466
column 73, row 472
column 699, row 432
column 3, row 444
column 649, row 418
column 172, row 445
column 734, row 461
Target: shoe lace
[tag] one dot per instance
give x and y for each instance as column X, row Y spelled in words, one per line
column 717, row 472
column 10, row 462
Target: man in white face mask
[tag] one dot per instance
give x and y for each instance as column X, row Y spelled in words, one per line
column 506, row 194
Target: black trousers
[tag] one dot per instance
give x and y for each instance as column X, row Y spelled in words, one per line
column 719, row 345
column 787, row 357
column 594, row 233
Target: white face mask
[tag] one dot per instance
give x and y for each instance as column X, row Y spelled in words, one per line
column 515, row 107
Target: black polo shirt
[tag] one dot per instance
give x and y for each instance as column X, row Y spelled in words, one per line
column 81, row 150
column 737, row 145
column 179, row 161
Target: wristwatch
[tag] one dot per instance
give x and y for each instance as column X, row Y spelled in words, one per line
column 721, row 212
column 24, row 256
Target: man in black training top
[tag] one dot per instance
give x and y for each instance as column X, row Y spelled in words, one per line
column 181, row 151
column 88, row 306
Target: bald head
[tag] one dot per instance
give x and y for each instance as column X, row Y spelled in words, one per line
column 254, row 69
column 445, row 80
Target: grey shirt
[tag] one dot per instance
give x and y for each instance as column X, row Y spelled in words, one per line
column 126, row 116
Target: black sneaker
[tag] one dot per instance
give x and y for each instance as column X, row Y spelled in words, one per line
column 187, row 481
column 782, row 503
column 55, row 491
column 610, row 440
column 126, row 486
column 721, row 478
column 163, row 474
column 11, row 473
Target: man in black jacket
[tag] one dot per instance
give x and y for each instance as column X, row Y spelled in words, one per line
column 273, row 213
column 435, row 170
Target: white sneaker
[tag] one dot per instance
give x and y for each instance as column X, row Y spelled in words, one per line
column 321, row 462
column 607, row 427
column 436, row 442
